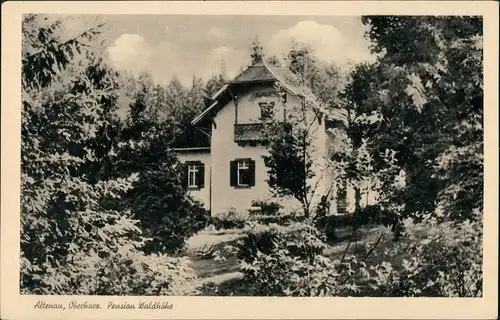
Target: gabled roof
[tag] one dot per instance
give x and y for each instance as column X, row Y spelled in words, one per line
column 254, row 73
column 259, row 72
column 287, row 79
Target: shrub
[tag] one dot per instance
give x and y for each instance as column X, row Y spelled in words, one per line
column 292, row 264
column 167, row 214
column 268, row 208
column 106, row 260
column 229, row 219
column 430, row 260
column 254, row 242
column 134, row 274
column 368, row 215
column 447, row 263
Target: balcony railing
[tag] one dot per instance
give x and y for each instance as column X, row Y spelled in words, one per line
column 249, row 132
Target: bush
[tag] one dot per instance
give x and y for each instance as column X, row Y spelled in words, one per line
column 268, row 208
column 254, row 242
column 368, row 215
column 291, row 263
column 159, row 199
column 430, row 260
column 107, row 261
column 229, row 219
column 447, row 263
column 135, row 274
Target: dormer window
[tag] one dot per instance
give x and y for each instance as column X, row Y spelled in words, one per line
column 266, row 110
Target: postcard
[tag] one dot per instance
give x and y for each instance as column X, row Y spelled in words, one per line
column 249, row 160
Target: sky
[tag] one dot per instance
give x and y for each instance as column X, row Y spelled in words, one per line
column 187, row 45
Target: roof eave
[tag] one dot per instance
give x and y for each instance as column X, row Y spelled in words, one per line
column 204, row 113
column 221, row 90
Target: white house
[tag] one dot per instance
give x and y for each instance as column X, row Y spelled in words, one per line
column 230, row 173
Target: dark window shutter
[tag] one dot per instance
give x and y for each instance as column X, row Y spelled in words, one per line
column 251, row 172
column 233, row 175
column 201, row 175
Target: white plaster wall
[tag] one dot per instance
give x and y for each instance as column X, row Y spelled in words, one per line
column 202, row 195
column 224, row 150
column 248, row 105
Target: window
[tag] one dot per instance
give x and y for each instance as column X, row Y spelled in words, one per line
column 266, row 110
column 242, row 173
column 195, row 174
column 192, row 171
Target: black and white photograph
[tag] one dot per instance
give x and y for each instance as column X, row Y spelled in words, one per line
column 251, row 155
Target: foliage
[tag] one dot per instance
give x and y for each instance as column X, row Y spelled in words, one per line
column 289, row 261
column 295, row 166
column 229, row 219
column 72, row 240
column 280, row 257
column 159, row 199
column 447, row 263
column 100, row 191
column 431, row 259
column 414, row 130
column 431, row 68
column 255, row 50
column 289, row 163
column 268, row 208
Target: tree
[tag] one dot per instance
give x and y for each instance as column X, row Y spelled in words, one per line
column 72, row 240
column 295, row 164
column 273, row 61
column 302, row 62
column 159, row 199
column 415, row 129
column 431, row 69
column 255, row 51
column 353, row 98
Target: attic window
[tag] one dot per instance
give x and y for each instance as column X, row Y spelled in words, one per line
column 266, row 110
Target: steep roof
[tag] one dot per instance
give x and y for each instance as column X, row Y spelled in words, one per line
column 259, row 72
column 287, row 78
column 254, row 73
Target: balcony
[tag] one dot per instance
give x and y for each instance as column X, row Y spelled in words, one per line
column 249, row 133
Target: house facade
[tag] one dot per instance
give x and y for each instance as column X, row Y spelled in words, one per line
column 230, row 173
